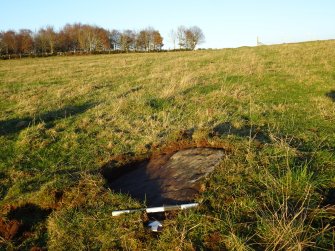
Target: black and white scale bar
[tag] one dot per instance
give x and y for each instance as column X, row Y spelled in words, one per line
column 156, row 209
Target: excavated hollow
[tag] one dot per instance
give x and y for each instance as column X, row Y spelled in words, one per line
column 167, row 179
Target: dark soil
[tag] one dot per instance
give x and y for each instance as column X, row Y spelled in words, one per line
column 9, row 229
column 331, row 95
column 329, row 198
column 20, row 221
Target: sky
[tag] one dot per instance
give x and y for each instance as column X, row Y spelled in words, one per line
column 225, row 23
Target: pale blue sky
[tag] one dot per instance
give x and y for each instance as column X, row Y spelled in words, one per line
column 225, row 23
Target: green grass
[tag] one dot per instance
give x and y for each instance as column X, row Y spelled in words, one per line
column 63, row 118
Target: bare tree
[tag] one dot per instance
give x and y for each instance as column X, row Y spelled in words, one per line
column 2, row 45
column 149, row 39
column 41, row 41
column 68, row 37
column 143, row 40
column 64, row 39
column 115, row 39
column 189, row 38
column 102, row 39
column 9, row 41
column 51, row 37
column 24, row 41
column 88, row 38
column 194, row 36
column 45, row 40
column 128, row 39
column 181, row 37
column 157, row 41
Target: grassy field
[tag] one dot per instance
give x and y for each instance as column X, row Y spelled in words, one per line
column 272, row 108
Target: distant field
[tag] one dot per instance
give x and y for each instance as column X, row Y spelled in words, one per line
column 272, row 108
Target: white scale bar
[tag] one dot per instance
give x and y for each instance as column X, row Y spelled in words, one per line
column 156, row 209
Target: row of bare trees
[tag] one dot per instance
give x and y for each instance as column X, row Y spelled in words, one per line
column 77, row 38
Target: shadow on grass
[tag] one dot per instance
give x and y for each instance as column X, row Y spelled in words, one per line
column 246, row 131
column 260, row 136
column 331, row 95
column 4, row 187
column 34, row 184
column 16, row 125
column 132, row 90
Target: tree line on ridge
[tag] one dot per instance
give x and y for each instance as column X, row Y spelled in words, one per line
column 83, row 38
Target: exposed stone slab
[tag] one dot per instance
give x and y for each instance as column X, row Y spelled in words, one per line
column 171, row 178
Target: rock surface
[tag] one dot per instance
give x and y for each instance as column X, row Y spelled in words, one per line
column 169, row 178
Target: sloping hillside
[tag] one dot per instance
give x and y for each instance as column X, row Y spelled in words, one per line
column 271, row 108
